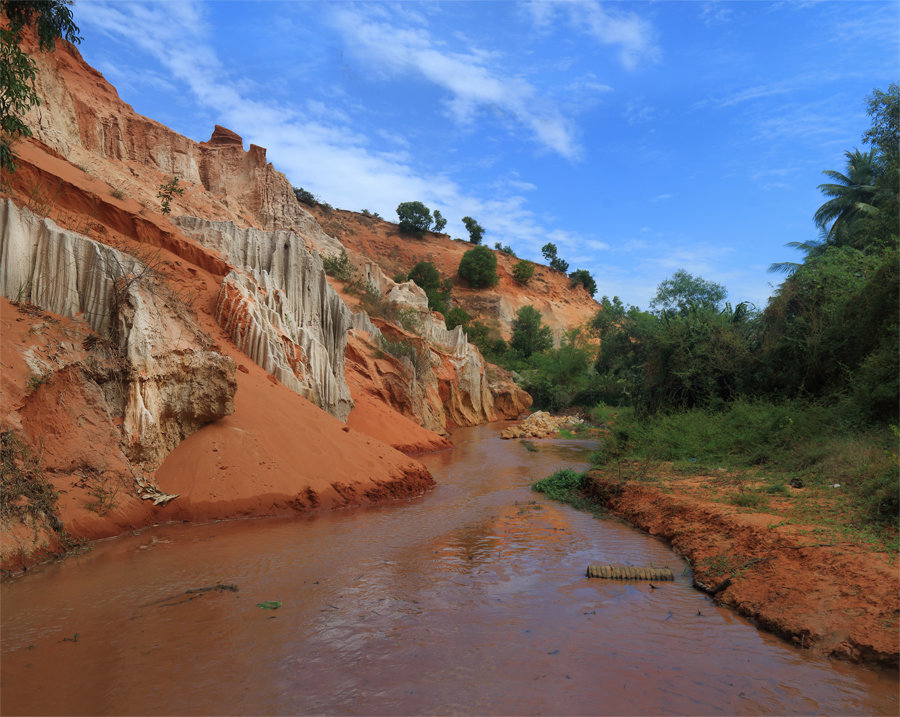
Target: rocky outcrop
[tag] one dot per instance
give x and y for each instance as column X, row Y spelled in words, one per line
column 541, row 424
column 167, row 382
column 279, row 309
column 436, row 378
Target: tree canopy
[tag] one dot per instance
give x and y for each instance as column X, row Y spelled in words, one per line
column 426, row 275
column 415, row 218
column 584, row 278
column 53, row 20
column 683, row 291
column 549, row 251
column 478, row 266
column 476, row 231
column 529, row 335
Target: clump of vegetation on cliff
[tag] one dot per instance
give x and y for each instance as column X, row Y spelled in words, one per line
column 478, row 267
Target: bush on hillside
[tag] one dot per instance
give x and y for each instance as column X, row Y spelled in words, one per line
column 426, row 275
column 523, row 271
column 584, row 278
column 479, row 267
column 457, row 316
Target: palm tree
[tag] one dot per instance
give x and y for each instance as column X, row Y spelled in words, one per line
column 811, row 248
column 851, row 197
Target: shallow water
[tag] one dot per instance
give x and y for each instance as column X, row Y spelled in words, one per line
column 471, row 599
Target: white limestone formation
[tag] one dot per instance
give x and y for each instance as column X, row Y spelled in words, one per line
column 173, row 385
column 279, row 309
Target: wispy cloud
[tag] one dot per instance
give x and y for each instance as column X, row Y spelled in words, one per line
column 632, row 35
column 715, row 13
column 396, row 48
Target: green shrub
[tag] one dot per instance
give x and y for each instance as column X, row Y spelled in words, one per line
column 340, row 266
column 563, row 485
column 584, row 278
column 523, row 271
column 505, row 248
column 305, row 197
column 167, row 192
column 749, row 499
column 478, row 266
column 457, row 316
column 426, row 275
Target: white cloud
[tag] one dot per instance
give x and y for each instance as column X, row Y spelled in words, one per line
column 632, row 35
column 473, row 85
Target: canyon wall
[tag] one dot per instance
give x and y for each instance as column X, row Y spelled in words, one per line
column 167, row 382
column 279, row 309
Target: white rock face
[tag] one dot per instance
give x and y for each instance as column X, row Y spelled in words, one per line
column 171, row 384
column 279, row 309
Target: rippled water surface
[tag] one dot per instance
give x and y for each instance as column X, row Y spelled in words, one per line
column 471, row 599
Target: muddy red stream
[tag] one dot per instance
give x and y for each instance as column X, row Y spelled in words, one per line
column 471, row 599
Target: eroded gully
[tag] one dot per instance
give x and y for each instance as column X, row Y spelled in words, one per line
column 471, row 599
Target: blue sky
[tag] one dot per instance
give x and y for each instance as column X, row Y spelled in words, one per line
column 640, row 138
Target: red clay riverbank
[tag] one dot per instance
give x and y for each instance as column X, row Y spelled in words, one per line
column 826, row 592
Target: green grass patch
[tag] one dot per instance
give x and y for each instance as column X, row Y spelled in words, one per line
column 568, row 486
column 758, row 440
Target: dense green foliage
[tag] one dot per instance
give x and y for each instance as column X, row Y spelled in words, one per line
column 561, row 485
column 523, row 271
column 529, row 335
column 505, row 248
column 561, row 377
column 53, row 19
column 426, row 275
column 415, row 218
column 683, row 292
column 439, row 222
column 457, row 316
column 584, row 278
column 478, row 266
column 476, row 231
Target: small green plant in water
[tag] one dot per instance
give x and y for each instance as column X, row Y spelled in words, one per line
column 561, row 485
